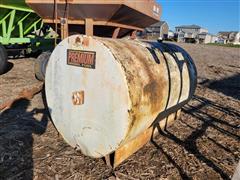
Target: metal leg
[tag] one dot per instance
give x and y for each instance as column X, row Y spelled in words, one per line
column 134, row 35
column 89, row 27
column 64, row 28
column 116, row 33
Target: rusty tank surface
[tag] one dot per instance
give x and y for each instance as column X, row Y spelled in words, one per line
column 108, row 96
column 105, row 18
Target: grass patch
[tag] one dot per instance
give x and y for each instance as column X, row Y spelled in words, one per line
column 225, row 45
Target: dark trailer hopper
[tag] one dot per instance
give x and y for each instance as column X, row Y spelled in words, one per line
column 106, row 18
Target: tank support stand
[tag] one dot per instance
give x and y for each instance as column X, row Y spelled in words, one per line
column 125, row 151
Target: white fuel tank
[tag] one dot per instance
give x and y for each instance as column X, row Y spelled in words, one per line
column 102, row 93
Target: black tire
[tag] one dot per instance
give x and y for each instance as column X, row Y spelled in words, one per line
column 3, row 59
column 41, row 65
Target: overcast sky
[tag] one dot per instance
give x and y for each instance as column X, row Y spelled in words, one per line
column 215, row 15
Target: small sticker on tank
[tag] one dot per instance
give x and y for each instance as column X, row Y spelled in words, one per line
column 86, row 59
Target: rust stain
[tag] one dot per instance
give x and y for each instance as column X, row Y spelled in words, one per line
column 152, row 91
column 78, row 98
column 143, row 87
column 78, row 40
column 85, row 41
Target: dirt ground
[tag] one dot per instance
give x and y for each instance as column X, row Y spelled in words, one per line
column 203, row 144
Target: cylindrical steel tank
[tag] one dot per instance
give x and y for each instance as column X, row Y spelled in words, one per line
column 102, row 93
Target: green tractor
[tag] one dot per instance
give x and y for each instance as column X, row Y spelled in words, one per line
column 22, row 32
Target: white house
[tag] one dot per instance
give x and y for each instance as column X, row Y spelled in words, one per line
column 170, row 34
column 189, row 33
column 194, row 34
column 230, row 37
column 157, row 30
column 194, row 29
column 206, row 38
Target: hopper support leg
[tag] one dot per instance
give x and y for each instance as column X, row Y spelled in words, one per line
column 64, row 28
column 89, row 27
column 115, row 33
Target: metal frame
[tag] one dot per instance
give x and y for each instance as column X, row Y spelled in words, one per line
column 7, row 25
column 89, row 25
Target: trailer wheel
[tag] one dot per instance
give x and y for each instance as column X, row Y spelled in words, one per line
column 41, row 65
column 3, row 59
